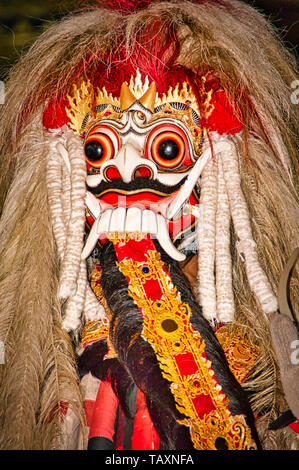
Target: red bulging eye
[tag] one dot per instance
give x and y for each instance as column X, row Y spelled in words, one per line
column 101, row 144
column 168, row 149
column 98, row 149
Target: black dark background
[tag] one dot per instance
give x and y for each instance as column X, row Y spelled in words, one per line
column 22, row 21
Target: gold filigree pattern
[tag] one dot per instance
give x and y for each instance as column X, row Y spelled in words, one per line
column 179, row 348
column 181, row 93
column 211, row 432
column 95, row 331
column 83, row 103
column 124, row 237
column 80, row 105
column 240, row 353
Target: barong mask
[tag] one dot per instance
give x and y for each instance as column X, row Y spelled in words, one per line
column 144, row 158
column 151, row 150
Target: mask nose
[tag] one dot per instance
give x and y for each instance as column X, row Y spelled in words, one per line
column 128, row 165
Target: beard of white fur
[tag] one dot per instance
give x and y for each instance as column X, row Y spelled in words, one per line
column 222, row 200
column 66, row 196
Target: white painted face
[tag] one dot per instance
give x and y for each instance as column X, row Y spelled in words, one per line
column 143, row 163
column 160, row 149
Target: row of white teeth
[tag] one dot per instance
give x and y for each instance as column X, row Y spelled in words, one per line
column 132, row 219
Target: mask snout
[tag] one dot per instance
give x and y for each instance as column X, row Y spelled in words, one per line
column 128, row 165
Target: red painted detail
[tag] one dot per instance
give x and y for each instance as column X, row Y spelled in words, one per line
column 112, row 173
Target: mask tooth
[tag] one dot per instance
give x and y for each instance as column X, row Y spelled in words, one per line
column 133, row 219
column 149, row 222
column 187, row 188
column 117, row 221
column 93, row 205
column 103, row 223
column 165, row 240
column 91, row 240
column 100, row 226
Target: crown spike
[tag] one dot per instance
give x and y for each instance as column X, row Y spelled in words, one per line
column 149, row 97
column 127, row 98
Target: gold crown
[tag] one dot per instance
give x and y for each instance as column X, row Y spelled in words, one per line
column 85, row 100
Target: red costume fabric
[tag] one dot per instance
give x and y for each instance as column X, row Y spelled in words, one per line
column 108, row 419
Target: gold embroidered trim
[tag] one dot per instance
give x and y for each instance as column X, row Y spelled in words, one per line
column 124, row 237
column 168, row 329
column 95, row 331
column 221, row 431
column 240, row 353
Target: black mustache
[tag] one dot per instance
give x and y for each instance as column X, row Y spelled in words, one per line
column 138, row 184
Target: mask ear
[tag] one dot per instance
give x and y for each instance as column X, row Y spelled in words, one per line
column 55, row 116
